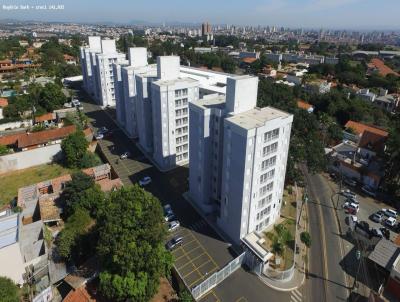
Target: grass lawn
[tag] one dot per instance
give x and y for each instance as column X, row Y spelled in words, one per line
column 10, row 182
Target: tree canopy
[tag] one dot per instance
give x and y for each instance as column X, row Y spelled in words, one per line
column 9, row 292
column 131, row 245
column 74, row 147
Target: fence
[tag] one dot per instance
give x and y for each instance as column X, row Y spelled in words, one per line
column 216, row 278
column 278, row 274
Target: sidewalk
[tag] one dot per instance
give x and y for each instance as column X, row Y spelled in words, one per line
column 300, row 268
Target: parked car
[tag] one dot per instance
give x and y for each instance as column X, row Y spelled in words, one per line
column 351, row 206
column 170, row 217
column 390, row 222
column 368, row 190
column 173, row 243
column 102, row 130
column 348, row 194
column 385, row 232
column 167, row 209
column 363, row 225
column 377, row 217
column 124, row 155
column 352, row 200
column 99, row 136
column 375, row 232
column 145, row 181
column 350, row 182
column 352, row 219
column 173, row 225
column 390, row 213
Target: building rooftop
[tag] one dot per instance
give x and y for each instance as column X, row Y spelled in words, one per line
column 256, row 117
column 32, row 243
column 174, row 81
column 211, row 101
column 9, row 230
column 359, row 128
column 385, row 253
column 254, row 242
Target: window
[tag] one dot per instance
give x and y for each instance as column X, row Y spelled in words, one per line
column 267, row 188
column 266, row 176
column 178, row 103
column 267, row 150
column 268, row 163
column 270, row 135
column 263, row 202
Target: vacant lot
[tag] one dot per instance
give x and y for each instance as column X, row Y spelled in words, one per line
column 10, row 182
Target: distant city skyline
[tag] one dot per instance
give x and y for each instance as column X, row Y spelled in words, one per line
column 335, row 14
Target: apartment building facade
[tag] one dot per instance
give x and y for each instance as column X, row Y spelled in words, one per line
column 238, row 158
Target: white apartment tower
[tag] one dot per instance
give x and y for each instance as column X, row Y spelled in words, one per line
column 97, row 69
column 238, row 158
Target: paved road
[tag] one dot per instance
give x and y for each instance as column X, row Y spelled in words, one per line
column 202, row 242
column 327, row 278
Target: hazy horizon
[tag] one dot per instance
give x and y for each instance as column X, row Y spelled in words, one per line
column 328, row 14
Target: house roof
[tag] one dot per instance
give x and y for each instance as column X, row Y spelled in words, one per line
column 385, row 254
column 78, row 295
column 45, row 117
column 359, row 128
column 3, row 102
column 384, row 70
column 372, row 141
column 69, row 58
column 249, row 60
column 36, row 138
column 304, row 105
column 48, row 210
column 8, row 140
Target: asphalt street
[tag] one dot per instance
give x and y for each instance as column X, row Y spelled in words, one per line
column 203, row 251
column 327, row 278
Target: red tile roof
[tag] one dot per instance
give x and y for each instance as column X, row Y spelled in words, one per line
column 9, row 140
column 45, row 117
column 384, row 70
column 3, row 102
column 359, row 128
column 78, row 295
column 68, row 58
column 36, row 138
column 249, row 60
column 303, row 105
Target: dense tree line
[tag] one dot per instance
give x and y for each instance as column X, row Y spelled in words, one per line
column 124, row 229
column 10, row 48
column 41, row 99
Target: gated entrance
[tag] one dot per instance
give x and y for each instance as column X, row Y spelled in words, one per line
column 204, row 287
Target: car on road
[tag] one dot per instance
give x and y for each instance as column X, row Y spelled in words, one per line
column 349, row 206
column 145, row 181
column 369, row 191
column 390, row 222
column 124, row 155
column 375, row 232
column 350, row 182
column 389, row 213
column 376, row 217
column 173, row 243
column 170, row 217
column 348, row 194
column 99, row 136
column 173, row 225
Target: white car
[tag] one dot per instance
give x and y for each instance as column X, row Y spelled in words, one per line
column 124, row 155
column 173, row 225
column 145, row 181
column 390, row 222
column 353, row 218
column 99, row 136
column 347, row 193
column 390, row 213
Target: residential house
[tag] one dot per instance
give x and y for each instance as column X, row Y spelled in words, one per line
column 305, row 106
column 3, row 104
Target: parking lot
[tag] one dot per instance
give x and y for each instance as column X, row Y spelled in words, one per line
column 192, row 261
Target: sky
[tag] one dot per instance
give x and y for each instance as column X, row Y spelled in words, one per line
column 341, row 14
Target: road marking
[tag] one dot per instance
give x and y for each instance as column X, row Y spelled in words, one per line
column 205, row 251
column 297, row 294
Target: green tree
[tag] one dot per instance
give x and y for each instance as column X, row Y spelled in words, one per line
column 131, row 245
column 9, row 292
column 77, row 225
column 74, row 189
column 89, row 160
column 74, row 147
column 392, row 159
column 305, row 238
column 185, row 296
column 3, row 150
